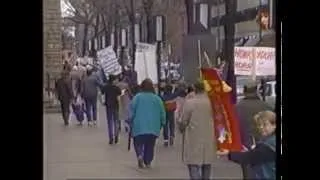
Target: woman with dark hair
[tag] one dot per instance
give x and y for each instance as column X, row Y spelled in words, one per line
column 148, row 116
column 111, row 94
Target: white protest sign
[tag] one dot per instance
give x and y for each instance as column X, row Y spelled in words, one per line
column 109, row 61
column 265, row 61
column 146, row 62
column 243, row 61
column 254, row 61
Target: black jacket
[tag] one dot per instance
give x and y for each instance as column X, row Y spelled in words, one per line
column 64, row 90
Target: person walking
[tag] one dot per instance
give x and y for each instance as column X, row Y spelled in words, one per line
column 148, row 115
column 198, row 144
column 111, row 94
column 123, row 101
column 246, row 108
column 170, row 106
column 90, row 86
column 64, row 94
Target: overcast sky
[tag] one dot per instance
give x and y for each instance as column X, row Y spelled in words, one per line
column 64, row 8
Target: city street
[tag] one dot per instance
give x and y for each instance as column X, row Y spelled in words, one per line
column 84, row 153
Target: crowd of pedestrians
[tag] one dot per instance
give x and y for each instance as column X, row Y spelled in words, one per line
column 145, row 111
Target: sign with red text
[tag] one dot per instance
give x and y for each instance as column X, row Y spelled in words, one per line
column 259, row 61
column 243, row 61
column 265, row 59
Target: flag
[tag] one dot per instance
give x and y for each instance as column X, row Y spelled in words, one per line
column 227, row 132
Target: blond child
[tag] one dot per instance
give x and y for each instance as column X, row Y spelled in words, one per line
column 262, row 158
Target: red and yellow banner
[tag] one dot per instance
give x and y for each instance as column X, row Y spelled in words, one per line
column 227, row 133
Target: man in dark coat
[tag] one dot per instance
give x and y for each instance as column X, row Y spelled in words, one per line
column 64, row 94
column 89, row 92
column 111, row 93
column 249, row 106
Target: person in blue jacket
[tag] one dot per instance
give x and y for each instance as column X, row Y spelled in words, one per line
column 148, row 116
column 170, row 105
column 262, row 157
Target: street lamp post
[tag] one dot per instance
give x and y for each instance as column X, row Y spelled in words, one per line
column 159, row 39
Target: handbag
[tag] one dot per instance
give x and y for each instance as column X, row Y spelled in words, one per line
column 170, row 105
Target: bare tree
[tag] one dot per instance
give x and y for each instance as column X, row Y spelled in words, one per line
column 83, row 13
column 188, row 4
column 148, row 8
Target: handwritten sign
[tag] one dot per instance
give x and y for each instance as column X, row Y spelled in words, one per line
column 254, row 60
column 109, row 62
column 243, row 60
column 146, row 62
column 265, row 61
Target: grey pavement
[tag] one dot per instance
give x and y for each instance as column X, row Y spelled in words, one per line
column 84, row 153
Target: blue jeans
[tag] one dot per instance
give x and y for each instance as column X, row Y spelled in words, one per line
column 144, row 147
column 91, row 109
column 199, row 171
column 169, row 128
column 112, row 121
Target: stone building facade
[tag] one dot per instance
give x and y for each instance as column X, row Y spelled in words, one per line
column 51, row 40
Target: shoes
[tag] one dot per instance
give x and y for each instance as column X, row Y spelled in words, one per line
column 95, row 123
column 90, row 124
column 116, row 139
column 111, row 141
column 166, row 143
column 148, row 166
column 140, row 163
column 66, row 123
column 171, row 141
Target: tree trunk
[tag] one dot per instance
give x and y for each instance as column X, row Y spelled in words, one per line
column 107, row 30
column 149, row 28
column 188, row 4
column 132, row 34
column 84, row 41
column 115, row 36
column 96, row 28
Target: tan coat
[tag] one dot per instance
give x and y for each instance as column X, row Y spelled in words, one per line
column 198, row 144
column 123, row 102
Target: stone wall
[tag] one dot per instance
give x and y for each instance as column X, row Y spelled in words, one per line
column 51, row 39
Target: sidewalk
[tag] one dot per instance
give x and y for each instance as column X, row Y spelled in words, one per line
column 83, row 152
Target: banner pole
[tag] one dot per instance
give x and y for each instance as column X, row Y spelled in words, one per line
column 208, row 59
column 199, row 58
column 254, row 74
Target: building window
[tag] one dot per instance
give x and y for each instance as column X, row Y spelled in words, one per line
column 218, row 10
column 247, row 4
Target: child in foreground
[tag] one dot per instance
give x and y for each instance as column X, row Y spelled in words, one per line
column 263, row 157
